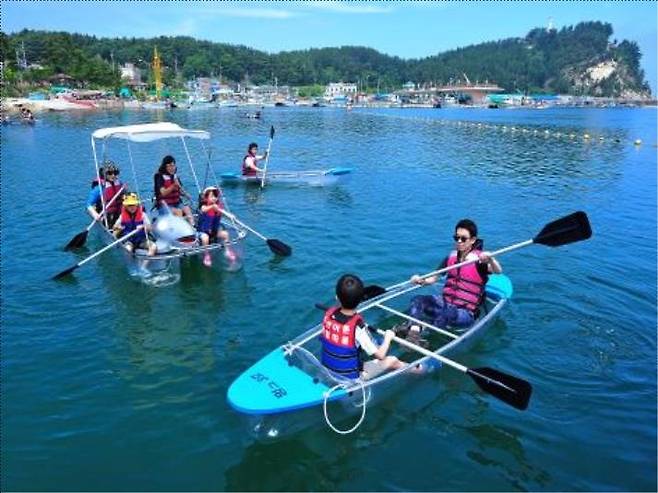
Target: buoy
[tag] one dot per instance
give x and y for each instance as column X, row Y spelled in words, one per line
column 546, row 132
column 586, row 136
column 638, row 142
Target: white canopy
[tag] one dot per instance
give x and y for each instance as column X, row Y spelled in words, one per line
column 148, row 132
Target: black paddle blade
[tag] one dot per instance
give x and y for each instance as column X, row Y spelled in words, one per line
column 279, row 248
column 65, row 273
column 272, row 132
column 509, row 389
column 77, row 241
column 370, row 292
column 568, row 229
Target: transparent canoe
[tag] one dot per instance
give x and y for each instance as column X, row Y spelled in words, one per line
column 284, row 392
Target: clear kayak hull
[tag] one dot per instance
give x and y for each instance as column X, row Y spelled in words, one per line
column 285, row 391
column 327, row 177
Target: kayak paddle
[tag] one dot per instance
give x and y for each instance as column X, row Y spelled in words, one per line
column 104, row 249
column 507, row 388
column 81, row 238
column 276, row 246
column 568, row 229
column 267, row 158
column 511, row 390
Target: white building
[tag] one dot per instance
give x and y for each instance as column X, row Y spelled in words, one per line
column 131, row 74
column 340, row 89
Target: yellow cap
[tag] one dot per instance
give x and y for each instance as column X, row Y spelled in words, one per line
column 131, row 199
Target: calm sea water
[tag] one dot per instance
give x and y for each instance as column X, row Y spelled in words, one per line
column 111, row 384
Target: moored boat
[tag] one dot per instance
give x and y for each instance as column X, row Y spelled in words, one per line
column 326, row 177
column 286, row 390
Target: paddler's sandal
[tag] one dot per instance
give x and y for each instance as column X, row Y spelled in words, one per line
column 402, row 330
column 414, row 337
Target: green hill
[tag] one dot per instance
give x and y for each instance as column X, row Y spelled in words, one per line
column 579, row 59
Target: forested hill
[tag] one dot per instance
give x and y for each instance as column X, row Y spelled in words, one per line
column 581, row 59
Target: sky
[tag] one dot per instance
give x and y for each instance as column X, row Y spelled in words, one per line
column 408, row 29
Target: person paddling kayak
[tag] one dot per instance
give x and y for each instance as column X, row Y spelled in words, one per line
column 250, row 161
column 463, row 293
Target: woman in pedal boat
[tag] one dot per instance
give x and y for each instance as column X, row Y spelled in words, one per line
column 463, row 293
column 345, row 337
column 250, row 161
column 169, row 190
column 109, row 186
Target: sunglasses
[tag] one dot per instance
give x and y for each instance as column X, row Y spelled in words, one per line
column 461, row 239
column 111, row 173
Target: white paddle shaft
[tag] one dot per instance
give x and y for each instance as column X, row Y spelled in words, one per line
column 104, row 249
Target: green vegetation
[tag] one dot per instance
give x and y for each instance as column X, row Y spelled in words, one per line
column 542, row 61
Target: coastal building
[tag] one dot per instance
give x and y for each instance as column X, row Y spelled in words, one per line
column 131, row 74
column 339, row 90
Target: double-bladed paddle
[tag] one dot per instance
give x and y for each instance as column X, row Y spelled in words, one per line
column 267, row 157
column 81, row 238
column 511, row 390
column 104, row 249
column 507, row 388
column 568, row 229
column 276, row 246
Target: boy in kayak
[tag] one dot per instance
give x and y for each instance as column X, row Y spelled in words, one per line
column 459, row 303
column 250, row 161
column 209, row 224
column 133, row 217
column 345, row 337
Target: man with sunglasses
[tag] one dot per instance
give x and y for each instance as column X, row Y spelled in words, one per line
column 463, row 293
column 109, row 186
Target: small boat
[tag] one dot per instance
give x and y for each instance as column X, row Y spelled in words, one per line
column 287, row 389
column 311, row 177
column 173, row 235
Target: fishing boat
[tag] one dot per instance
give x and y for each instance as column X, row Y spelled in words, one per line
column 174, row 236
column 320, row 178
column 287, row 389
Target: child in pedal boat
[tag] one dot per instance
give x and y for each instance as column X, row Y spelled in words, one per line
column 133, row 217
column 458, row 305
column 250, row 161
column 345, row 337
column 209, row 224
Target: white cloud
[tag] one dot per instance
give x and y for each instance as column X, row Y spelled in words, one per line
column 348, row 7
column 247, row 10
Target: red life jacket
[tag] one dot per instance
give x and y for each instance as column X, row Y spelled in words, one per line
column 245, row 170
column 129, row 223
column 339, row 351
column 110, row 189
column 464, row 286
column 174, row 196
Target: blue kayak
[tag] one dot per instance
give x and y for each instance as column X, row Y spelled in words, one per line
column 286, row 389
